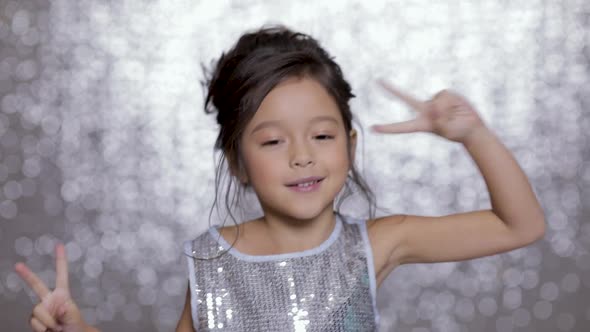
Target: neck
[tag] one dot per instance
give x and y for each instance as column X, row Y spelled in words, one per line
column 289, row 234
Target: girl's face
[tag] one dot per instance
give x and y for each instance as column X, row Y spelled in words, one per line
column 296, row 133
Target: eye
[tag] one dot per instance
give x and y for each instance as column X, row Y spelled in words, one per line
column 273, row 142
column 324, row 137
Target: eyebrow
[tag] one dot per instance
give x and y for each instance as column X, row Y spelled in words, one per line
column 273, row 123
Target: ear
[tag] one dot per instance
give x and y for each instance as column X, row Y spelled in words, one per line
column 353, row 140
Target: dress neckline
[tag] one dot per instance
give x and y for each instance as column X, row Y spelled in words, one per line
column 214, row 232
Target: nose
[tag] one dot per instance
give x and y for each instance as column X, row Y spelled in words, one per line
column 301, row 155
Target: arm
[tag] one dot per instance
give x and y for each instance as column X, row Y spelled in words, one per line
column 515, row 220
column 512, row 198
column 56, row 309
column 185, row 324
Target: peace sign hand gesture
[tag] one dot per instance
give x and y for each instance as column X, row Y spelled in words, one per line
column 447, row 114
column 56, row 311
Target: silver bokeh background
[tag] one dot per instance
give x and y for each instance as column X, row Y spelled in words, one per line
column 105, row 146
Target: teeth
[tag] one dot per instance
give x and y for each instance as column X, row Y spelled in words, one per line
column 306, row 184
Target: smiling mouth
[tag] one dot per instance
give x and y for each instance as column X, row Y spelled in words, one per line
column 305, row 184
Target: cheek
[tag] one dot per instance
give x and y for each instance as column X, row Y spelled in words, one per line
column 339, row 166
column 338, row 158
column 260, row 165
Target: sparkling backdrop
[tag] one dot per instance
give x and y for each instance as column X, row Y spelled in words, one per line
column 104, row 145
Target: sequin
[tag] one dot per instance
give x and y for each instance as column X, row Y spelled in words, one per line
column 329, row 288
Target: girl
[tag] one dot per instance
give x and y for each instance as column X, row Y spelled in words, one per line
column 286, row 134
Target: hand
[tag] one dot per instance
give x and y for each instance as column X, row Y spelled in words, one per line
column 447, row 114
column 56, row 311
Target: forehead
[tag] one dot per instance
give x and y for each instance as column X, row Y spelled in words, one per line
column 294, row 102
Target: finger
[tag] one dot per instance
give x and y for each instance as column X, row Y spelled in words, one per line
column 31, row 278
column 463, row 108
column 411, row 101
column 441, row 94
column 62, row 310
column 37, row 325
column 41, row 313
column 61, row 264
column 410, row 126
column 448, row 100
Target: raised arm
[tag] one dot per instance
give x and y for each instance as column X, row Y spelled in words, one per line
column 56, row 310
column 515, row 219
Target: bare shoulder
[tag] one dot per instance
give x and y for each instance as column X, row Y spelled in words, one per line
column 247, row 237
column 240, row 231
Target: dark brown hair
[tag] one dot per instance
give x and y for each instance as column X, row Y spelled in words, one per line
column 241, row 79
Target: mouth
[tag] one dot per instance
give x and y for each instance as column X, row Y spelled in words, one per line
column 306, row 184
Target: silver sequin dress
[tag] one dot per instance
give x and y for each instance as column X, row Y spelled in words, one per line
column 328, row 288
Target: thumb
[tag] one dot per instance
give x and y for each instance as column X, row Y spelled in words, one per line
column 68, row 313
column 62, row 311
